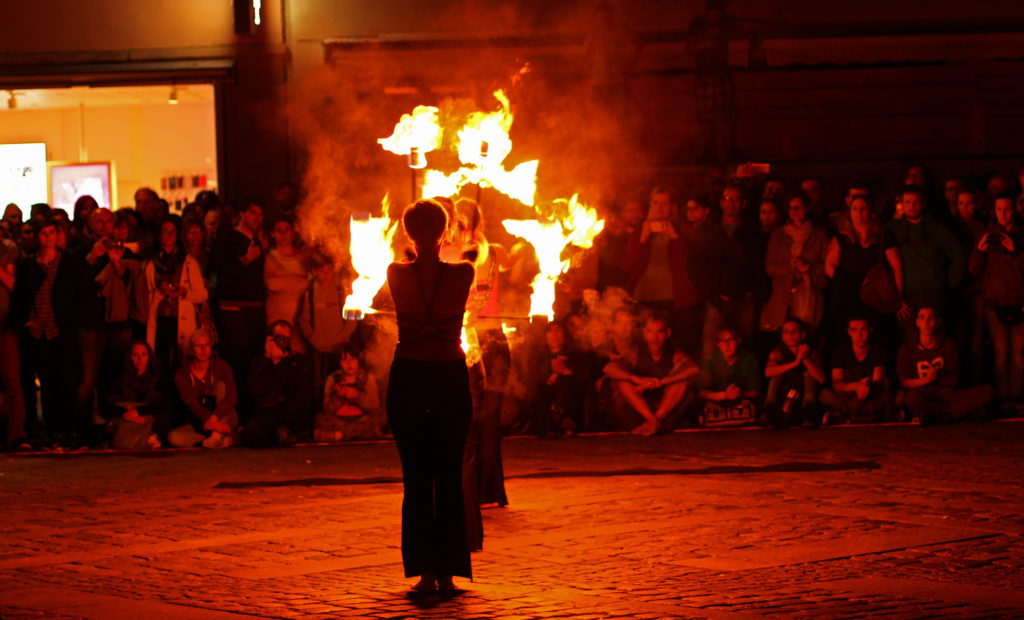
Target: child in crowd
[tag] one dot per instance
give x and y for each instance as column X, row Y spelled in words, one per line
column 860, row 390
column 929, row 371
column 351, row 403
column 730, row 381
column 795, row 373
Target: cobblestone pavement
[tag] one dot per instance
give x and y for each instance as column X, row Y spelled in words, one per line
column 890, row 520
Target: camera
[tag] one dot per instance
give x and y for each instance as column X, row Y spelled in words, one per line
column 283, row 342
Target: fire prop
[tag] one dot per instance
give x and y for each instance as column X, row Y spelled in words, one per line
column 482, row 146
column 371, row 254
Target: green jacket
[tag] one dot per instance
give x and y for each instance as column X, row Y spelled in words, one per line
column 933, row 261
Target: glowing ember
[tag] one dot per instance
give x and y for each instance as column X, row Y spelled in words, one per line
column 578, row 226
column 370, row 248
column 417, row 132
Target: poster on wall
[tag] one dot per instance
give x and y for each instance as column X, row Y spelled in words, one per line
column 69, row 182
column 22, row 174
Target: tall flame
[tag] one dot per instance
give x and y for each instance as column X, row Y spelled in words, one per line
column 578, row 226
column 417, row 131
column 370, row 248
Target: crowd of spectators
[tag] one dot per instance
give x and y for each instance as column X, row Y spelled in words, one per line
column 755, row 301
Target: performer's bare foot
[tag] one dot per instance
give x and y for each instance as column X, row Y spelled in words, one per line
column 445, row 584
column 646, row 429
column 426, row 584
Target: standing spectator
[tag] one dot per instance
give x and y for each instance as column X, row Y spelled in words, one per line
column 795, row 261
column 12, row 219
column 80, row 237
column 929, row 371
column 611, row 249
column 730, row 382
column 280, row 384
column 213, row 223
column 652, row 391
column 351, row 403
column 45, row 289
column 953, row 188
column 206, row 386
column 176, row 292
column 656, row 261
column 285, row 276
column 321, row 319
column 860, row 389
column 768, row 215
column 106, row 300
column 726, row 263
column 151, row 210
column 861, row 244
column 813, row 190
column 795, row 374
column 933, row 262
column 967, row 305
column 998, row 259
column 239, row 263
column 10, row 349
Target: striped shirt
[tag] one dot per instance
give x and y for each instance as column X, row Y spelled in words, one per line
column 42, row 320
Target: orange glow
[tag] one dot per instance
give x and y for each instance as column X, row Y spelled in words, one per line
column 370, row 248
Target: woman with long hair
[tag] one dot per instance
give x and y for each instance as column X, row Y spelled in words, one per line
column 429, row 405
column 140, row 411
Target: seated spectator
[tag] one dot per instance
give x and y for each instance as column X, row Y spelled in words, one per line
column 998, row 260
column 206, row 386
column 651, row 393
column 794, row 374
column 321, row 321
column 860, row 390
column 929, row 371
column 730, row 382
column 10, row 350
column 279, row 384
column 137, row 409
column 351, row 403
column 562, row 384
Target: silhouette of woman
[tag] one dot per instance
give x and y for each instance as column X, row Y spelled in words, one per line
column 428, row 401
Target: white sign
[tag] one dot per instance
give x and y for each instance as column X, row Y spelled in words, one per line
column 23, row 174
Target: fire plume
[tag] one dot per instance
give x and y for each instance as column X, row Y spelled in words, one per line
column 578, row 226
column 370, row 248
column 419, row 131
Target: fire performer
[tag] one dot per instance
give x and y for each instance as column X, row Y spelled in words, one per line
column 489, row 259
column 429, row 404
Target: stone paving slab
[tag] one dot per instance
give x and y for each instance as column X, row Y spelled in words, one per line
column 878, row 521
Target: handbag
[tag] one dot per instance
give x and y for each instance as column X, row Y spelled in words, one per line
column 879, row 287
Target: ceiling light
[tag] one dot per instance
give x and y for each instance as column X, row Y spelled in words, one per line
column 173, row 98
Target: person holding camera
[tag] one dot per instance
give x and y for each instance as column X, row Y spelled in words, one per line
column 656, row 256
column 206, row 386
column 281, row 386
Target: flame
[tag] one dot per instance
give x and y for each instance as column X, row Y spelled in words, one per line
column 417, row 131
column 482, row 145
column 471, row 346
column 578, row 226
column 370, row 248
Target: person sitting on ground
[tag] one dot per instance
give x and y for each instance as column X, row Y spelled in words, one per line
column 136, row 407
column 929, row 371
column 206, row 386
column 279, row 382
column 651, row 393
column 351, row 402
column 730, row 381
column 561, row 385
column 860, row 390
column 795, row 373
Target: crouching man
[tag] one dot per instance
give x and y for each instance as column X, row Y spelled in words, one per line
column 651, row 394
column 929, row 370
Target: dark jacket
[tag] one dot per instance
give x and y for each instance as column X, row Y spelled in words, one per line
column 237, row 282
column 1001, row 272
column 933, row 260
column 29, row 276
column 723, row 265
column 638, row 255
